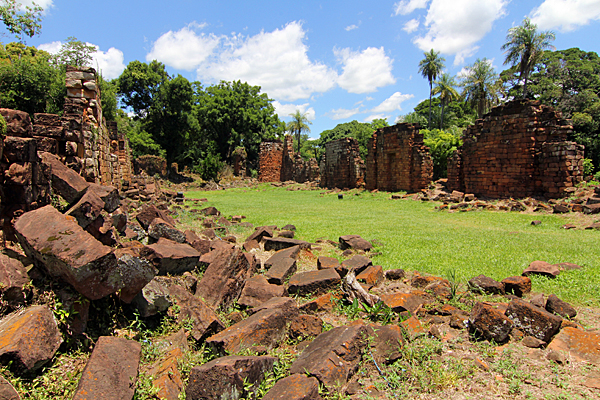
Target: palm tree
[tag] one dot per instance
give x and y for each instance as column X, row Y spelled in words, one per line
column 430, row 67
column 445, row 87
column 298, row 124
column 524, row 47
column 481, row 86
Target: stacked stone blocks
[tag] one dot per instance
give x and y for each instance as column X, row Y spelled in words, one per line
column 279, row 163
column 341, row 165
column 519, row 149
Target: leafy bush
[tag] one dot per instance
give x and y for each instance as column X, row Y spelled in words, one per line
column 3, row 126
column 588, row 167
column 442, row 145
column 209, row 167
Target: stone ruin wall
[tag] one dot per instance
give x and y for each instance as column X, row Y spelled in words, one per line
column 519, row 149
column 79, row 137
column 398, row 159
column 279, row 163
column 341, row 165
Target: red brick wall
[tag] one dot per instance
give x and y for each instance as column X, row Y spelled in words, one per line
column 341, row 165
column 519, row 149
column 270, row 160
column 398, row 159
column 279, row 163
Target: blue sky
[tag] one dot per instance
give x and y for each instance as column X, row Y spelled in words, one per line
column 334, row 60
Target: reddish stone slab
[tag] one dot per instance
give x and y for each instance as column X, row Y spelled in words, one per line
column 354, row 242
column 257, row 290
column 205, row 322
column 13, row 277
column 225, row 377
column 280, row 243
column 170, row 257
column 111, row 371
column 282, row 265
column 333, row 357
column 400, row 302
column 65, row 181
column 295, row 387
column 579, row 344
column 490, row 323
column 533, row 320
column 372, row 275
column 317, row 282
column 485, row 284
column 542, row 268
column 29, row 337
column 517, row 285
column 57, row 243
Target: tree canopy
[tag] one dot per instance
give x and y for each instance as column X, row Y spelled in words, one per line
column 430, row 67
column 481, row 86
column 19, row 22
column 298, row 124
column 361, row 131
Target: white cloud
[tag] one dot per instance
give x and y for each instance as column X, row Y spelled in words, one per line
column 566, row 15
column 392, row 103
column 342, row 113
column 277, row 61
column 451, row 27
column 45, row 4
column 372, row 117
column 411, row 26
column 284, row 110
column 407, row 6
column 52, row 47
column 109, row 63
column 364, row 72
column 351, row 27
column 183, row 49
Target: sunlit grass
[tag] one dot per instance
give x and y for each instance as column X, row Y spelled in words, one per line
column 415, row 236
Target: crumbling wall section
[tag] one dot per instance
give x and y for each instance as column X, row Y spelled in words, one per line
column 341, row 165
column 398, row 159
column 279, row 163
column 519, row 149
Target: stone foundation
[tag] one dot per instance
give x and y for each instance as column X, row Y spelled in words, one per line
column 341, row 165
column 398, row 159
column 519, row 149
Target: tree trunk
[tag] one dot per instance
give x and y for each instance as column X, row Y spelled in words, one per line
column 430, row 90
column 442, row 118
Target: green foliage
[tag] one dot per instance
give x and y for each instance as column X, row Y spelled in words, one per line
column 210, row 167
column 445, row 87
column 524, row 48
column 75, row 53
column 19, row 22
column 140, row 141
column 588, row 167
column 442, row 145
column 3, row 127
column 481, row 86
column 361, row 131
column 456, row 114
column 430, row 67
column 139, row 84
column 297, row 125
column 108, row 93
column 28, row 81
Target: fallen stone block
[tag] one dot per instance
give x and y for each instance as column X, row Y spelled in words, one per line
column 305, row 326
column 395, row 274
column 87, row 209
column 486, row 285
column 174, row 258
column 354, row 242
column 257, row 290
column 13, row 278
column 517, row 285
column 224, row 378
column 559, row 307
column 533, row 320
column 295, row 387
column 205, row 321
column 152, row 299
column 333, row 357
column 224, row 278
column 541, row 268
column 108, row 194
column 490, row 323
column 260, row 232
column 66, row 182
column 8, row 391
column 282, row 265
column 135, row 270
column 579, row 344
column 18, row 123
column 165, row 371
column 111, row 371
column 57, row 243
column 266, row 328
column 159, row 228
column 315, row 282
column 386, row 342
column 149, row 212
column 286, row 304
column 321, row 303
column 29, row 338
column 280, row 243
column 210, row 211
column 421, row 281
column 356, row 263
column 372, row 275
column 400, row 302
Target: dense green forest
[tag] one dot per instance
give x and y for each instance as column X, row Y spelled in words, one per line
column 201, row 127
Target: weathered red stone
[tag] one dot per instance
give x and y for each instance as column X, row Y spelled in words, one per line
column 490, row 323
column 541, row 268
column 170, row 257
column 533, row 320
column 484, row 284
column 282, row 265
column 579, row 344
column 517, row 285
column 295, row 387
column 111, row 371
column 13, row 277
column 225, row 377
column 257, row 290
column 315, row 282
column 66, row 182
column 305, row 326
column 29, row 337
column 400, row 302
column 354, row 242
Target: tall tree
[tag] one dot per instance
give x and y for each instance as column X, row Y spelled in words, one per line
column 75, row 52
column 481, row 86
column 430, row 67
column 21, row 22
column 525, row 47
column 445, row 87
column 298, row 124
column 139, row 84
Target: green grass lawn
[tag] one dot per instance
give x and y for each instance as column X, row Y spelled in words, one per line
column 413, row 235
